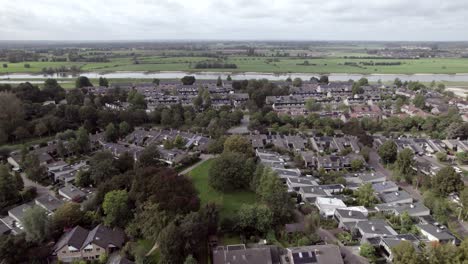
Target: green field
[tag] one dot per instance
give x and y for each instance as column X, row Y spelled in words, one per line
column 229, row 202
column 333, row 64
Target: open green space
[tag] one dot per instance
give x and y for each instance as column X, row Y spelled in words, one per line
column 229, row 202
column 335, row 63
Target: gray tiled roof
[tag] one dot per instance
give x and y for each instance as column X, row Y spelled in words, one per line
column 394, row 197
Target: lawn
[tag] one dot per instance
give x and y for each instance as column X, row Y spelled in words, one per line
column 335, row 63
column 229, row 202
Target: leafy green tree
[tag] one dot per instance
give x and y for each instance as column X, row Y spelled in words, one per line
column 323, row 79
column 82, row 140
column 36, row 224
column 102, row 167
column 231, row 171
column 446, row 181
column 179, row 142
column 115, row 208
column 254, row 219
column 419, row 101
column 404, row 164
column 405, row 253
column 219, row 82
column 441, row 156
column 229, row 78
column 441, row 253
column 312, row 223
column 368, row 251
column 136, row 100
column 238, row 144
column 313, row 106
column 103, row 82
column 462, row 157
column 33, row 169
column 83, row 178
column 111, row 134
column 149, row 157
column 11, row 112
column 274, row 194
column 188, row 80
column 297, row 82
column 388, row 151
column 148, row 222
column 124, row 128
column 83, row 81
column 67, row 216
column 9, row 191
column 156, row 81
column 357, row 164
column 365, row 195
column 190, row 260
column 171, row 246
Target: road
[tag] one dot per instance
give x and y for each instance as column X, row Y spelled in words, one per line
column 374, row 161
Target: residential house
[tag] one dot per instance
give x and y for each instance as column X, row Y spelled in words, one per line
column 398, row 197
column 374, row 228
column 436, row 234
column 49, row 203
column 239, row 254
column 413, row 209
column 349, row 216
column 328, row 205
column 81, row 244
column 317, row 254
column 72, row 193
column 388, row 243
column 384, row 186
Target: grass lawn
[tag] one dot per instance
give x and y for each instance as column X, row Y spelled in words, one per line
column 229, row 202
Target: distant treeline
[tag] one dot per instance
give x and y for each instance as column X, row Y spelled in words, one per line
column 61, row 69
column 371, row 63
column 214, row 65
column 379, row 58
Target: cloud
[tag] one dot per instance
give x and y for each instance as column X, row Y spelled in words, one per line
column 233, row 19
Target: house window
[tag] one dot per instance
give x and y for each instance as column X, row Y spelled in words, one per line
column 64, row 252
column 97, row 249
column 88, row 250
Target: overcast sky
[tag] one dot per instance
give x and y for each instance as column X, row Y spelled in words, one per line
column 234, row 19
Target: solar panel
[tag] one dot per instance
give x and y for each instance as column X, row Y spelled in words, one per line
column 304, row 257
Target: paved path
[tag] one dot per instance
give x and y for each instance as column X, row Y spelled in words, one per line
column 203, row 157
column 41, row 189
column 374, row 161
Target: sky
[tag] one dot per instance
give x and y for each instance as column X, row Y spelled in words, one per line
column 412, row 20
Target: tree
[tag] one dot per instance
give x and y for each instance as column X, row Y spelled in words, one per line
column 53, row 91
column 33, row 169
column 102, row 167
column 124, row 128
column 368, row 251
column 11, row 112
column 15, row 249
column 188, row 80
column 136, row 100
column 103, row 82
column 67, row 216
column 83, row 81
column 297, row 82
column 229, row 78
column 82, row 140
column 357, row 164
column 405, row 253
column 115, row 208
column 419, row 101
column 441, row 156
column 125, row 162
column 388, row 151
column 148, row 222
column 313, row 106
column 365, row 195
column 171, row 246
column 323, row 79
column 9, row 191
column 231, row 171
column 446, row 181
column 111, row 134
column 219, row 82
column 83, row 178
column 36, row 224
column 404, row 163
column 156, row 81
column 254, row 219
column 149, row 157
column 190, row 260
column 239, row 144
column 274, row 194
column 312, row 223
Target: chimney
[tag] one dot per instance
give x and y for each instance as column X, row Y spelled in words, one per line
column 373, row 228
column 397, row 193
column 350, row 213
column 411, row 206
column 438, row 230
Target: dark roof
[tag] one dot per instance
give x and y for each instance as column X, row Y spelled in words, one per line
column 104, row 236
column 74, row 238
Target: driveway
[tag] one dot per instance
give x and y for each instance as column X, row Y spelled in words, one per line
column 41, row 189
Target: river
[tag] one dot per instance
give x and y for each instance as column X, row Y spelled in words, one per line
column 17, row 77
